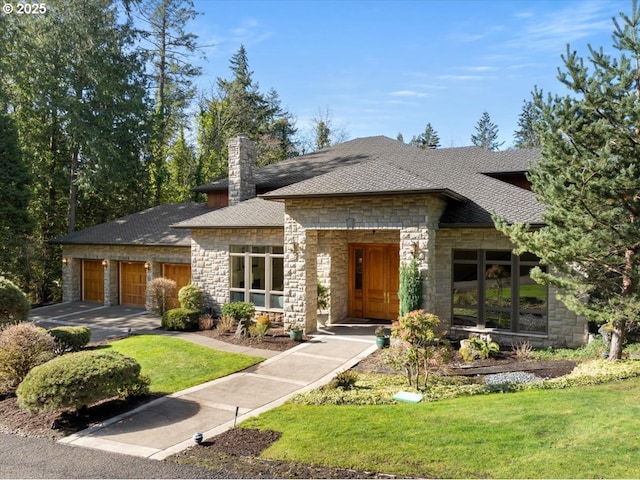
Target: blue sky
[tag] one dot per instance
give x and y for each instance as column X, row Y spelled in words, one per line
column 384, row 67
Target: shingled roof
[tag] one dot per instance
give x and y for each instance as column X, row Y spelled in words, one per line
column 379, row 165
column 254, row 213
column 152, row 226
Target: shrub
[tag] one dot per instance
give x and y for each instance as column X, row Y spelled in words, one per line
column 346, row 380
column 259, row 330
column 80, row 379
column 191, row 297
column 22, row 347
column 70, row 339
column 160, row 291
column 14, row 305
column 239, row 310
column 474, row 348
column 522, row 349
column 180, row 319
column 205, row 322
column 418, row 349
column 226, row 324
column 410, row 292
column 323, row 297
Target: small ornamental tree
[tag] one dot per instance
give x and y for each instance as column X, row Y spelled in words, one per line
column 160, row 291
column 588, row 181
column 14, row 305
column 418, row 347
column 410, row 291
column 191, row 297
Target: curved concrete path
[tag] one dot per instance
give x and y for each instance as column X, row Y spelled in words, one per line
column 167, row 425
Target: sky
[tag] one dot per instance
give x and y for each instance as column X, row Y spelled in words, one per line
column 390, row 67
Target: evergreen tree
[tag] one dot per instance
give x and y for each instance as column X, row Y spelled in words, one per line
column 486, row 133
column 238, row 107
column 589, row 181
column 182, row 170
column 170, row 48
column 15, row 193
column 399, row 137
column 427, row 139
column 79, row 101
column 527, row 136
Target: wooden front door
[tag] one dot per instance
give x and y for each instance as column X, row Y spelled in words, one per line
column 92, row 281
column 374, row 281
column 179, row 273
column 133, row 284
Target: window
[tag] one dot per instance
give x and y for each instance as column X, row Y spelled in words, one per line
column 257, row 275
column 493, row 289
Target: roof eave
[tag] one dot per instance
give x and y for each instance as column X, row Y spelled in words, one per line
column 439, row 191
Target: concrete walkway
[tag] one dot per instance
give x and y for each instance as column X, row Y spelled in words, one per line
column 167, row 425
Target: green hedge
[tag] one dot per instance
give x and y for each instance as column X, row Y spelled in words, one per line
column 80, row 379
column 181, row 319
column 70, row 339
column 191, row 297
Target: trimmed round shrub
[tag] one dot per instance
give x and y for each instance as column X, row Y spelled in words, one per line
column 79, row 379
column 180, row 319
column 70, row 339
column 14, row 304
column 190, row 297
column 22, row 347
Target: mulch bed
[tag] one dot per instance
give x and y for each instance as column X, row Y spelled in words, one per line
column 276, row 339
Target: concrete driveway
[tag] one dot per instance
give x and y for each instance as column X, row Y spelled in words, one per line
column 104, row 322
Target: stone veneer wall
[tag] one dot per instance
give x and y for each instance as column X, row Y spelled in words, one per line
column 565, row 328
column 72, row 273
column 407, row 219
column 210, row 258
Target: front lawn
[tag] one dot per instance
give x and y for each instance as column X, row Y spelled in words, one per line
column 174, row 364
column 580, row 432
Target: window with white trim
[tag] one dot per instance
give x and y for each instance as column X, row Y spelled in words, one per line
column 493, row 289
column 257, row 275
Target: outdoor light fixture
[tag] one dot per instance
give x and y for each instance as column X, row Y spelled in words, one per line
column 147, row 265
column 351, row 222
column 65, row 261
column 105, row 263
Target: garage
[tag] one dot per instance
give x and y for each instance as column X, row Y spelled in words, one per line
column 92, row 281
column 179, row 273
column 133, row 284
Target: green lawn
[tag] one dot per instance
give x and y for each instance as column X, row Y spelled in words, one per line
column 173, row 364
column 580, row 432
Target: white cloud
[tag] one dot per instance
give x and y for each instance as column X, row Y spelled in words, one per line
column 407, row 93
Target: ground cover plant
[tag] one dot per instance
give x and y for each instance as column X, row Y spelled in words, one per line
column 188, row 365
column 532, row 434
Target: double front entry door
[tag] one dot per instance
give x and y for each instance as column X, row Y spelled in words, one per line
column 374, row 280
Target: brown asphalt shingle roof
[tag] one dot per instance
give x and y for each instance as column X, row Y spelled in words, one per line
column 254, row 213
column 364, row 166
column 148, row 227
column 456, row 172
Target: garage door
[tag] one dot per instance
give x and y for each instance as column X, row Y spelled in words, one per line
column 133, row 284
column 93, row 281
column 179, row 273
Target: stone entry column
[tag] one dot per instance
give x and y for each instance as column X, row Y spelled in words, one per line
column 300, row 280
column 419, row 243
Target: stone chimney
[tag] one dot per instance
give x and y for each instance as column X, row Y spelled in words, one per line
column 242, row 158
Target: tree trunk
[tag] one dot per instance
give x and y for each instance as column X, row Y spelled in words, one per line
column 617, row 340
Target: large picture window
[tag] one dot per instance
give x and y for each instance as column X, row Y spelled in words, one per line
column 492, row 289
column 257, row 275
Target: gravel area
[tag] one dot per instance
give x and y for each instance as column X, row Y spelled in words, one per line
column 510, row 377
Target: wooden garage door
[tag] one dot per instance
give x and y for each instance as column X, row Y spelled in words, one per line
column 179, row 273
column 133, row 284
column 93, row 281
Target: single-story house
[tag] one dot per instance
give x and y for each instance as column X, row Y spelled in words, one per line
column 345, row 217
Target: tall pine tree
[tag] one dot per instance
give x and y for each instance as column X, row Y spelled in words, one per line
column 527, row 135
column 486, row 135
column 589, row 181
